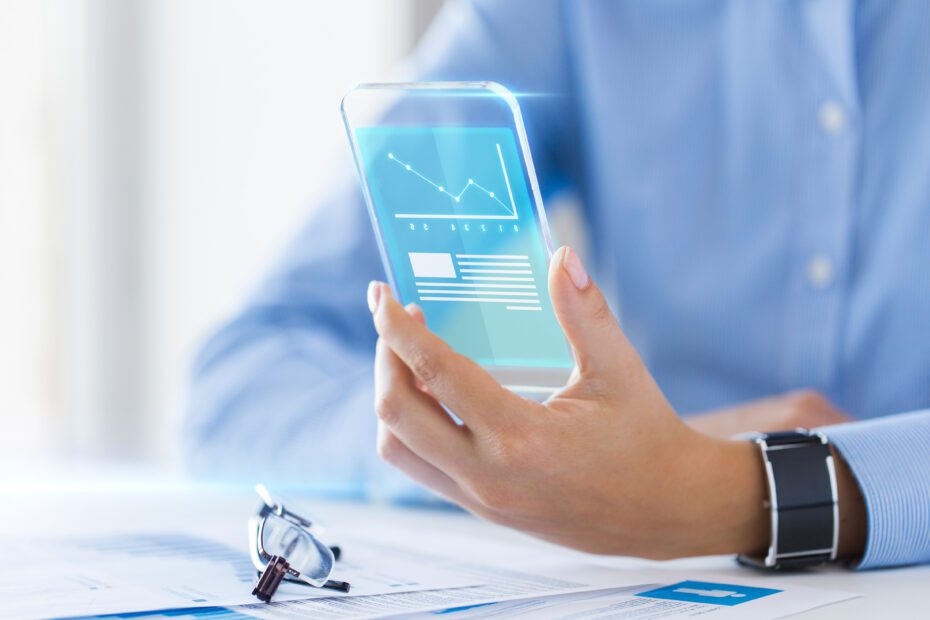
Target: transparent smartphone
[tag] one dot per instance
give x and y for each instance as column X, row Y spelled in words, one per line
column 449, row 181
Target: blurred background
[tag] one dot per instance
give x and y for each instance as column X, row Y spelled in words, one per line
column 155, row 157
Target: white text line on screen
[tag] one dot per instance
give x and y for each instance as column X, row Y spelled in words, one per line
column 522, row 272
column 476, row 285
column 472, row 263
column 482, row 299
column 495, row 256
column 445, row 292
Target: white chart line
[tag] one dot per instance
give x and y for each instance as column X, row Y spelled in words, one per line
column 500, row 279
column 507, row 180
column 426, row 216
column 512, row 212
column 482, row 299
column 536, row 308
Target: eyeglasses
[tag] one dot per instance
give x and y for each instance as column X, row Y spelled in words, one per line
column 286, row 546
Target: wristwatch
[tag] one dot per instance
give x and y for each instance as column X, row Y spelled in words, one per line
column 802, row 500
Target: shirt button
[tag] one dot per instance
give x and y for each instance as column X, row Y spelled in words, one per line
column 820, row 271
column 832, row 117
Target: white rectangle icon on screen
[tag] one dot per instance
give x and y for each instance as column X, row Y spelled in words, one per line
column 431, row 265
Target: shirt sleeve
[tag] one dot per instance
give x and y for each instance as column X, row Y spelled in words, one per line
column 283, row 392
column 890, row 459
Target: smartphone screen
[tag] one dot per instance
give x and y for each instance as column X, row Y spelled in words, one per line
column 463, row 239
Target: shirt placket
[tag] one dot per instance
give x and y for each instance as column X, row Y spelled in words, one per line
column 828, row 124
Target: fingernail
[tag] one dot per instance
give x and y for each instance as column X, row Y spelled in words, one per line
column 374, row 295
column 575, row 269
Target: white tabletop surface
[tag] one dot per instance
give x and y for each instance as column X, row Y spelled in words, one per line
column 81, row 502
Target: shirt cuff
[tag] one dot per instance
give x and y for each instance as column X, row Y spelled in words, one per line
column 890, row 459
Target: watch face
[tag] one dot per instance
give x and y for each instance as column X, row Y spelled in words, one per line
column 802, row 490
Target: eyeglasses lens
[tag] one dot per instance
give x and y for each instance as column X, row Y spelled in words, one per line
column 305, row 554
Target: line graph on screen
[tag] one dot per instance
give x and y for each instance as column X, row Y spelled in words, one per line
column 458, row 200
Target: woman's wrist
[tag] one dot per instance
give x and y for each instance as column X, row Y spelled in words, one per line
column 725, row 498
column 853, row 518
column 728, row 500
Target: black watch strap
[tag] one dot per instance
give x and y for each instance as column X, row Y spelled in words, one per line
column 802, row 500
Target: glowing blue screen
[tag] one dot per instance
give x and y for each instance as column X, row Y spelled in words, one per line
column 463, row 241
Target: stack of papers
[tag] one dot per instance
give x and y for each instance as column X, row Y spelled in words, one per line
column 83, row 576
column 682, row 599
column 185, row 576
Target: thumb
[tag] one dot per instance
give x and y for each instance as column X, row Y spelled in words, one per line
column 416, row 312
column 595, row 336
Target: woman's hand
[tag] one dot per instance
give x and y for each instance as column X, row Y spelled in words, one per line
column 605, row 465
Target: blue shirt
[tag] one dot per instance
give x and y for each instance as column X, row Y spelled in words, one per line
column 755, row 178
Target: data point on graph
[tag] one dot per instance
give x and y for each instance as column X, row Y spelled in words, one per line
column 390, row 155
column 457, row 199
column 441, row 188
column 471, row 181
column 491, row 194
column 407, row 166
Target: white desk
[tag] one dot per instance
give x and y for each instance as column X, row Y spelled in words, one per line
column 135, row 503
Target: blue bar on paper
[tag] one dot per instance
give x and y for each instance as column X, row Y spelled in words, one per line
column 726, row 594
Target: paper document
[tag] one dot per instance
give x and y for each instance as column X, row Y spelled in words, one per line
column 683, row 599
column 140, row 572
column 531, row 579
column 85, row 576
